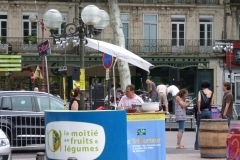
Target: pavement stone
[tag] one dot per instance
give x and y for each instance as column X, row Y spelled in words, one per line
column 177, row 154
column 188, row 140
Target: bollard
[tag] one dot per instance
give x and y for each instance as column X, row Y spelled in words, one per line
column 72, row 158
column 40, row 156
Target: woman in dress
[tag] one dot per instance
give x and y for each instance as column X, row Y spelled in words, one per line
column 180, row 114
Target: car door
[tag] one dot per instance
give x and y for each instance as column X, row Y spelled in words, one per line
column 43, row 103
column 19, row 111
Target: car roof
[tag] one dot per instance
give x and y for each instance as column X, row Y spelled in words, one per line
column 4, row 93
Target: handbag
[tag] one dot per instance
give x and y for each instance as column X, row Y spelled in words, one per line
column 205, row 103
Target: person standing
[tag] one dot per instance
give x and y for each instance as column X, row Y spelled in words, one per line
column 204, row 110
column 75, row 101
column 152, row 90
column 36, row 89
column 130, row 98
column 180, row 113
column 162, row 96
column 227, row 103
column 173, row 90
column 118, row 89
column 112, row 91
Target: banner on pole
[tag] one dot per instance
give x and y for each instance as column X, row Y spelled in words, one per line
column 44, row 48
column 82, row 79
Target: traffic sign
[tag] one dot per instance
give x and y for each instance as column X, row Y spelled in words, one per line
column 32, row 77
column 107, row 61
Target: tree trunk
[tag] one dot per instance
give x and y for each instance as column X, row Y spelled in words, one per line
column 116, row 24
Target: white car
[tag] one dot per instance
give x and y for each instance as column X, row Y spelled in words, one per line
column 5, row 149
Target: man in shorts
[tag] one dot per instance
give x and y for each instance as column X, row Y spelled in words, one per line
column 173, row 90
column 162, row 96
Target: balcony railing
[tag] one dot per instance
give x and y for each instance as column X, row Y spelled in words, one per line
column 144, row 1
column 165, row 46
column 23, row 45
column 137, row 46
column 160, row 1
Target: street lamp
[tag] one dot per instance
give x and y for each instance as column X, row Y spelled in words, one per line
column 89, row 17
column 33, row 19
column 229, row 49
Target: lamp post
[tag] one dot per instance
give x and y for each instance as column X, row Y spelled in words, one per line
column 219, row 47
column 89, row 17
column 33, row 19
column 229, row 49
column 63, row 42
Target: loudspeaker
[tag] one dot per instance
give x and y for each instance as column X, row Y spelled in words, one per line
column 97, row 104
column 97, row 92
column 76, row 73
column 174, row 74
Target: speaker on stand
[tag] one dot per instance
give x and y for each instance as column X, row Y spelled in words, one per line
column 96, row 95
column 76, row 73
column 174, row 75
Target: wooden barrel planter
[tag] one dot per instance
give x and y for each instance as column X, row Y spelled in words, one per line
column 212, row 138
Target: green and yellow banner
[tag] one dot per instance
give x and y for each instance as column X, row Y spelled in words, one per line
column 10, row 63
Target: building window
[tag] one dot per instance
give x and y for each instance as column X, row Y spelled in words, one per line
column 206, row 30
column 178, row 30
column 125, row 24
column 3, row 27
column 150, row 26
column 59, row 30
column 206, row 2
column 29, row 29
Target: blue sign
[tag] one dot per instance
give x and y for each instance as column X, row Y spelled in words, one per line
column 107, row 61
column 146, row 137
column 99, row 135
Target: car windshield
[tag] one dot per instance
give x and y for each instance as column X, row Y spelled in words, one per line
column 55, row 104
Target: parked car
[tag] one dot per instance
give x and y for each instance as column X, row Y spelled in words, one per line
column 5, row 149
column 22, row 117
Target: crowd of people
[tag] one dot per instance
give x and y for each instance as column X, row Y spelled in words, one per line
column 181, row 102
column 204, row 101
